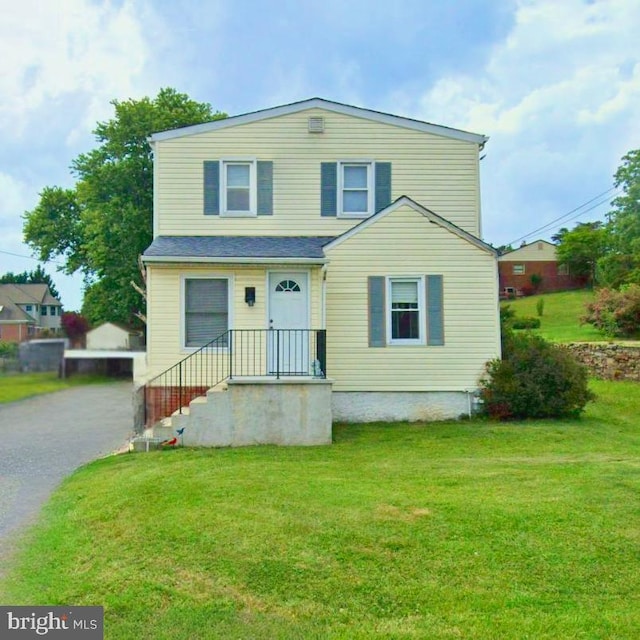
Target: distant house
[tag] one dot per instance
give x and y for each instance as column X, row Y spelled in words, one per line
column 111, row 335
column 537, row 258
column 27, row 309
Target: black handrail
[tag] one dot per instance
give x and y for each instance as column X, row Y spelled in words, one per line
column 236, row 353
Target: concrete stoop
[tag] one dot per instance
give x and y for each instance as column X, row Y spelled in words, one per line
column 242, row 412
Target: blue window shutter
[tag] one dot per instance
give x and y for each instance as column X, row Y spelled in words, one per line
column 377, row 312
column 383, row 185
column 435, row 313
column 328, row 188
column 211, row 188
column 265, row 188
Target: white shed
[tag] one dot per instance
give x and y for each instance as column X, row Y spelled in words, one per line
column 113, row 336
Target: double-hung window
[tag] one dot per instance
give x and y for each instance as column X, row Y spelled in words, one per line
column 518, row 270
column 355, row 189
column 239, row 187
column 405, row 310
column 206, row 310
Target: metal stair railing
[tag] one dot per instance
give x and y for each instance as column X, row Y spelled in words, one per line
column 235, row 353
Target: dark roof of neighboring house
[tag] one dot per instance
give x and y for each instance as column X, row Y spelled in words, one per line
column 226, row 248
column 11, row 312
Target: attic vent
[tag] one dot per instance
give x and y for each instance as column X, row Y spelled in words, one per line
column 316, row 125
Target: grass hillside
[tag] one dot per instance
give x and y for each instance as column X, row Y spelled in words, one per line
column 560, row 321
column 468, row 529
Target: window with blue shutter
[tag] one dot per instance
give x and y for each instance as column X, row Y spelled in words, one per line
column 354, row 189
column 238, row 187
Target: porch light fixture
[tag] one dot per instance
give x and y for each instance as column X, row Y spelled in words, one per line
column 250, row 295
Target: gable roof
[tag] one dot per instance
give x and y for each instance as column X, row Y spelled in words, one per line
column 10, row 312
column 427, row 213
column 226, row 249
column 327, row 105
column 28, row 293
column 509, row 256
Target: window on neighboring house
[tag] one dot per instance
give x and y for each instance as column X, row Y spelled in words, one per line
column 518, row 270
column 43, row 310
column 52, row 311
column 28, row 308
column 239, row 187
column 405, row 310
column 355, row 189
column 563, row 269
column 206, row 310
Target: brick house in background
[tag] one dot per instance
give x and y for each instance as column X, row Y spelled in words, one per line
column 516, row 268
column 25, row 310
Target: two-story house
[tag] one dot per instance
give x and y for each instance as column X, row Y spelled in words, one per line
column 27, row 309
column 320, row 240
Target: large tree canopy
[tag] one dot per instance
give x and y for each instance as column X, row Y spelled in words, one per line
column 581, row 248
column 101, row 226
column 621, row 265
column 37, row 276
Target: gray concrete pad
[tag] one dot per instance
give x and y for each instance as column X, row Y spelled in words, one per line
column 44, row 439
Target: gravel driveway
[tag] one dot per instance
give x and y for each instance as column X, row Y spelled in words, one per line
column 43, row 439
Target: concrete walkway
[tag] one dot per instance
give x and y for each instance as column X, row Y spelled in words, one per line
column 43, row 439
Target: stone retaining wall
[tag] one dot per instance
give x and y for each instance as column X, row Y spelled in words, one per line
column 607, row 360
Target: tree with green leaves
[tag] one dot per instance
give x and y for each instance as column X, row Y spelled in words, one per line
column 101, row 226
column 582, row 247
column 37, row 276
column 621, row 265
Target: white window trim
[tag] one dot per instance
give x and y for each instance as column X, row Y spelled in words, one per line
column 253, row 187
column 183, row 305
column 370, row 187
column 422, row 309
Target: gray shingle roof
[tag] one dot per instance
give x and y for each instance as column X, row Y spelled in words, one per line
column 307, row 247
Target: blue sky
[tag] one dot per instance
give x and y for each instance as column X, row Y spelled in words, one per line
column 555, row 84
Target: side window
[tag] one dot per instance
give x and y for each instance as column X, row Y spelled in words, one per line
column 206, row 310
column 405, row 310
column 518, row 270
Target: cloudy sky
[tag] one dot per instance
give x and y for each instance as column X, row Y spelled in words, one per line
column 555, row 84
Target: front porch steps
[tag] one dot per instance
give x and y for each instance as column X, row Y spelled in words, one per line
column 253, row 411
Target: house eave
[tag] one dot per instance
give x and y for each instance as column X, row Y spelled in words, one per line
column 327, row 105
column 230, row 260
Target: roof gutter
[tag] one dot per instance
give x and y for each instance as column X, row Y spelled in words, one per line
column 230, row 260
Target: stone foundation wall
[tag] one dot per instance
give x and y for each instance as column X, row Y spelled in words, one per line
column 607, row 360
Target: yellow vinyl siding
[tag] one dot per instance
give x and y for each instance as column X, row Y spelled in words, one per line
column 165, row 300
column 438, row 172
column 404, row 243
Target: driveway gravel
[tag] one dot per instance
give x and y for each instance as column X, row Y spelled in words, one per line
column 43, row 439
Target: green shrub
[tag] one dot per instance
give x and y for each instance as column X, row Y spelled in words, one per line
column 526, row 322
column 8, row 349
column 536, row 280
column 540, row 307
column 616, row 313
column 535, row 379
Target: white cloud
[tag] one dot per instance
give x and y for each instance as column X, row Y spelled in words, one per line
column 560, row 99
column 78, row 50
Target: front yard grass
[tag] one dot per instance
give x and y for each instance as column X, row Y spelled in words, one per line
column 17, row 386
column 470, row 529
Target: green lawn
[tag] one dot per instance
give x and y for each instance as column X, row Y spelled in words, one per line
column 24, row 385
column 560, row 321
column 472, row 530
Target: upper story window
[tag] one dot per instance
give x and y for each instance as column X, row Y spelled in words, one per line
column 355, row 189
column 28, row 308
column 43, row 310
column 239, row 187
column 518, row 270
column 52, row 311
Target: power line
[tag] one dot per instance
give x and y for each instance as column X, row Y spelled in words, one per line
column 565, row 217
column 20, row 255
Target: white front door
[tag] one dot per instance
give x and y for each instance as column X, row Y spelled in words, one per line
column 289, row 337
